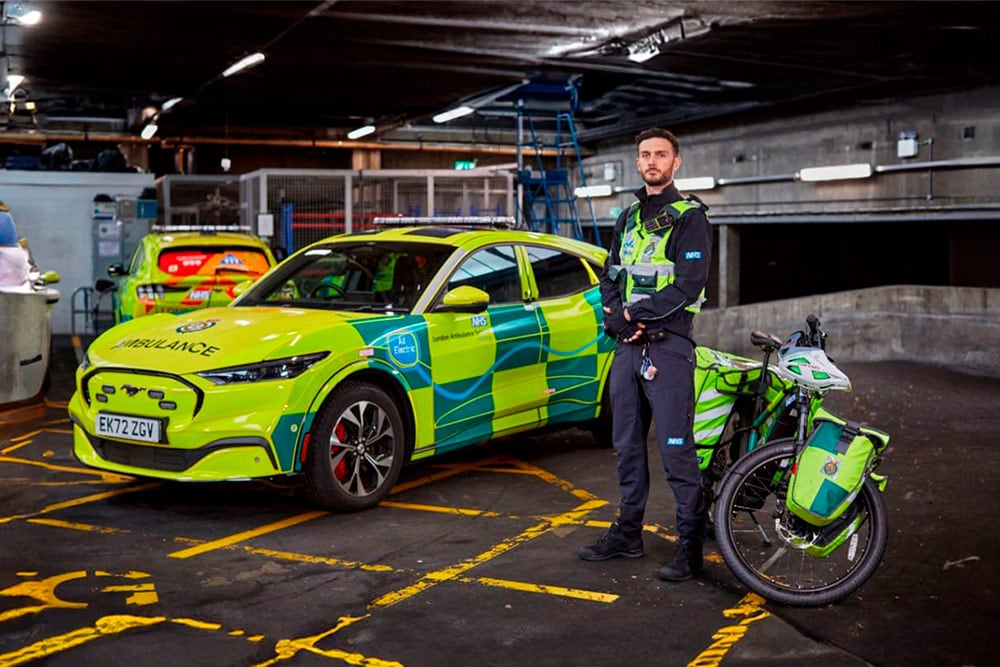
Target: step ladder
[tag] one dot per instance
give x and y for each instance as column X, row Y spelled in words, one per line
column 547, row 201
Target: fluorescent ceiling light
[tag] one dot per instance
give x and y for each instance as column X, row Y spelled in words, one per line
column 362, row 131
column 245, row 63
column 171, row 103
column 452, row 114
column 696, row 183
column 149, row 131
column 13, row 81
column 21, row 14
column 641, row 56
column 836, row 172
column 594, row 191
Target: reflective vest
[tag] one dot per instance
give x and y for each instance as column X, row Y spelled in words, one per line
column 644, row 268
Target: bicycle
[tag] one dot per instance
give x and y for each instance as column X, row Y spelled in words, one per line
column 740, row 404
column 786, row 558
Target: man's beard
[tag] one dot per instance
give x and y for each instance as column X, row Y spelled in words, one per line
column 660, row 179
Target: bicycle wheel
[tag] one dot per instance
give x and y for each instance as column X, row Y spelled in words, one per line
column 779, row 556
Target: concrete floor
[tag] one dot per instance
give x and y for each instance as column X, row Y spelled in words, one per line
column 471, row 560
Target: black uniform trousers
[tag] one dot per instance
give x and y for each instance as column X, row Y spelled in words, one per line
column 667, row 400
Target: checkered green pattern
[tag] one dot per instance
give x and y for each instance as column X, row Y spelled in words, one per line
column 830, row 469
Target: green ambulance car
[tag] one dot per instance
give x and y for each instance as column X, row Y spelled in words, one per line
column 354, row 356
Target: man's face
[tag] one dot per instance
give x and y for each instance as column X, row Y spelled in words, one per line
column 657, row 162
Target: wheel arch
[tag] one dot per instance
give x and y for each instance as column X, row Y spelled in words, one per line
column 380, row 376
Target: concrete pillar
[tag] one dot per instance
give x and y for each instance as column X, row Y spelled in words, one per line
column 366, row 159
column 729, row 265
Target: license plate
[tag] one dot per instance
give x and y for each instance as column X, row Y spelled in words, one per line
column 126, row 427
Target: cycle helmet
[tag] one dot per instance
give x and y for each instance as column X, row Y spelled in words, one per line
column 810, row 367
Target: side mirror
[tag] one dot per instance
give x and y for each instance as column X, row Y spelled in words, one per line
column 464, row 299
column 50, row 277
column 116, row 270
column 241, row 287
column 104, row 285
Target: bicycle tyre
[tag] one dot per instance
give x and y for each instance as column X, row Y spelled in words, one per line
column 767, row 562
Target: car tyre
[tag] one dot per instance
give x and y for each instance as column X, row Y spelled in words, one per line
column 356, row 449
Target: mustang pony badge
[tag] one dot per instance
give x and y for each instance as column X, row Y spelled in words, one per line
column 194, row 327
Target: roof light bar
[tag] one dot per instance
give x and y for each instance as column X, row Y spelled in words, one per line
column 496, row 221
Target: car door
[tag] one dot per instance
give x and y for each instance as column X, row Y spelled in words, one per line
column 485, row 365
column 565, row 291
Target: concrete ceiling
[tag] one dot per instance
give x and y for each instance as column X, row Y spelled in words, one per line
column 333, row 66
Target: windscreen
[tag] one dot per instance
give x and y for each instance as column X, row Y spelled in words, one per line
column 358, row 275
column 186, row 261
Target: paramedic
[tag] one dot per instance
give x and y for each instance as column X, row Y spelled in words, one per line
column 652, row 286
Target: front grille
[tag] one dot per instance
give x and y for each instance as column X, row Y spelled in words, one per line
column 145, row 456
column 152, row 457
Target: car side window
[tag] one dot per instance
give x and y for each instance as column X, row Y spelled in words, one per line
column 493, row 270
column 557, row 273
column 137, row 260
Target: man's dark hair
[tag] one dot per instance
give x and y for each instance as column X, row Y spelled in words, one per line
column 662, row 134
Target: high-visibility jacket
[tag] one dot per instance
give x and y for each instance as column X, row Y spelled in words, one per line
column 644, row 268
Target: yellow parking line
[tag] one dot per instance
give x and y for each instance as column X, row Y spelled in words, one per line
column 440, row 509
column 526, row 587
column 455, row 571
column 80, row 501
column 323, row 560
column 86, row 527
column 246, row 535
column 555, row 480
column 450, row 471
column 286, row 649
column 14, row 448
column 109, row 477
column 751, row 609
column 108, row 625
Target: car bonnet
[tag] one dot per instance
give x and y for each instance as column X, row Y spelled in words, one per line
column 221, row 337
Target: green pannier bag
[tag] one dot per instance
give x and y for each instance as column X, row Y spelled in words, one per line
column 832, row 466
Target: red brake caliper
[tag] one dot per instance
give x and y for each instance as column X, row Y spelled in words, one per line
column 340, row 470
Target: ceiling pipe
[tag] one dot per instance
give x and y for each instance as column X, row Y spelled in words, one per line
column 174, row 142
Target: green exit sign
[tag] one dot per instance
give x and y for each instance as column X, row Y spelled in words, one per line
column 462, row 165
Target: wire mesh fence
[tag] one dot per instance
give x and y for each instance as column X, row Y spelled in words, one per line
column 295, row 207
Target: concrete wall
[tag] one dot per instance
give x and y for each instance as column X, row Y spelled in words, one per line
column 961, row 126
column 958, row 327
column 53, row 209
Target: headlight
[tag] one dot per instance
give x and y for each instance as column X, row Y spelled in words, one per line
column 279, row 369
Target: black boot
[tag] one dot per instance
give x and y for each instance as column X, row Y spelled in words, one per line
column 612, row 544
column 686, row 563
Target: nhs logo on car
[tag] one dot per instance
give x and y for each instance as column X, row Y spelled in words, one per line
column 403, row 349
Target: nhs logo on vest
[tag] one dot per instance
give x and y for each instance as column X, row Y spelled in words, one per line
column 692, row 254
column 403, row 348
